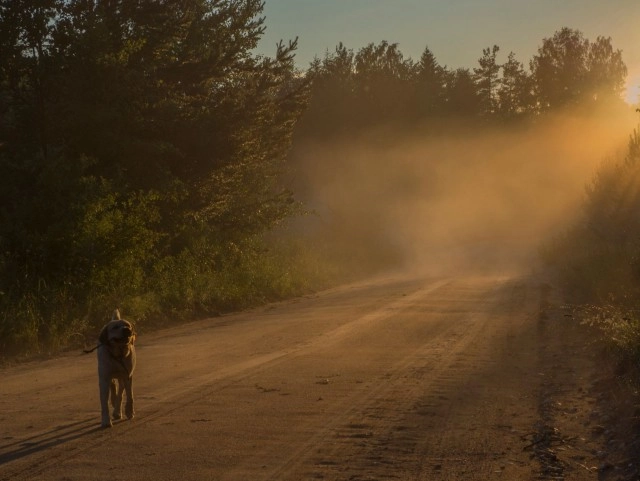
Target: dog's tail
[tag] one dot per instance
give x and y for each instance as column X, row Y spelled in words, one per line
column 116, row 315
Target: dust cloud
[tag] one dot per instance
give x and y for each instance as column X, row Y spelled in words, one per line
column 460, row 200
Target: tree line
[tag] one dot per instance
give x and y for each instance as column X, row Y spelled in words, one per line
column 377, row 84
column 142, row 147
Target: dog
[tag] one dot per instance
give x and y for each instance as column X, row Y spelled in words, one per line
column 116, row 363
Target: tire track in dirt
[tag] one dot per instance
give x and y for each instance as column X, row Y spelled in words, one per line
column 374, row 437
column 485, row 407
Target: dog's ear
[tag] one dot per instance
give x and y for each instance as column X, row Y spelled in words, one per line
column 103, row 338
column 133, row 334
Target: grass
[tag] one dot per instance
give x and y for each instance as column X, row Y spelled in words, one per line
column 620, row 328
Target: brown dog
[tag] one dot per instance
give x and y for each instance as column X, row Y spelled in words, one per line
column 116, row 362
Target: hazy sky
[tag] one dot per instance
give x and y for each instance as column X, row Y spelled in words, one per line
column 456, row 31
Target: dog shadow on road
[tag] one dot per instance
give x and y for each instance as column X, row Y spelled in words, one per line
column 20, row 448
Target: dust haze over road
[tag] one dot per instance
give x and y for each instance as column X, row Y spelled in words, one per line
column 451, row 197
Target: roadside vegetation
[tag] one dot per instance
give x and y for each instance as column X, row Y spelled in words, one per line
column 598, row 258
column 149, row 159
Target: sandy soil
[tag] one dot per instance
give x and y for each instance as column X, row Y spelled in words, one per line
column 395, row 378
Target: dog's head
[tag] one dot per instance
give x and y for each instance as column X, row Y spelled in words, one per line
column 117, row 331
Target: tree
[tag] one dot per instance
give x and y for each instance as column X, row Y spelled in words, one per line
column 570, row 70
column 26, row 72
column 332, row 93
column 337, row 67
column 607, row 71
column 462, row 93
column 382, row 62
column 430, row 83
column 559, row 68
column 514, row 95
column 381, row 74
column 486, row 79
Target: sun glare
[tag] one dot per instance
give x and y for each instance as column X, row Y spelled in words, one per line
column 633, row 89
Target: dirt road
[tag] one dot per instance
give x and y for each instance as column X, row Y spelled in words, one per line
column 410, row 379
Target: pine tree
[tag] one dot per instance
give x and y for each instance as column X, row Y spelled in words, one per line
column 514, row 96
column 430, row 84
column 486, row 80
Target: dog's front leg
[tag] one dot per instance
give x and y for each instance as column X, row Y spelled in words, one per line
column 128, row 387
column 116, row 398
column 105, row 385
